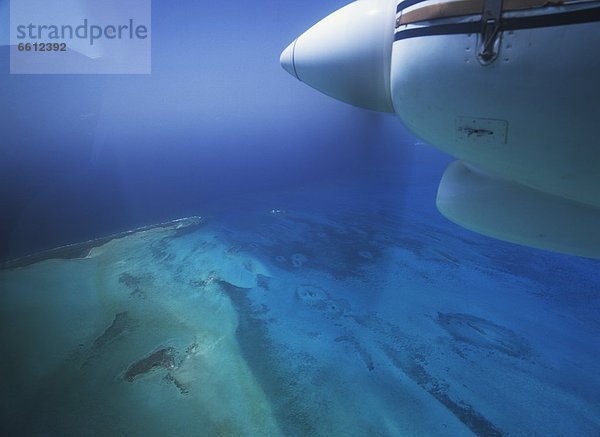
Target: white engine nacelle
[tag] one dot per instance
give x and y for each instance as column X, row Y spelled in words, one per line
column 348, row 55
column 511, row 87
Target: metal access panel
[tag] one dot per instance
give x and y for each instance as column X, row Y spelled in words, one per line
column 484, row 131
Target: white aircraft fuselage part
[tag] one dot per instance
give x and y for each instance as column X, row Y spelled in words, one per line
column 510, row 87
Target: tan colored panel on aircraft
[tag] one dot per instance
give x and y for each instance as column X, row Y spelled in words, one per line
column 467, row 7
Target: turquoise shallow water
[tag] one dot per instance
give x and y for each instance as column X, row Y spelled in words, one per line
column 338, row 310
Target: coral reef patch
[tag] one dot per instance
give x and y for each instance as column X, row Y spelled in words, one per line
column 161, row 358
column 316, row 298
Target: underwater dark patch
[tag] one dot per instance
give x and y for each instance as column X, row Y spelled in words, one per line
column 129, row 280
column 160, row 250
column 136, row 283
column 483, row 333
column 161, row 358
column 120, row 324
column 360, row 350
column 464, row 412
column 183, row 389
column 342, row 251
column 318, row 299
column 263, row 281
column 292, row 413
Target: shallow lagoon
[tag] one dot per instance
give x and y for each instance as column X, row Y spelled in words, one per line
column 341, row 310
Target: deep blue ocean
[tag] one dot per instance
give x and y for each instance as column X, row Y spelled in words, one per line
column 332, row 295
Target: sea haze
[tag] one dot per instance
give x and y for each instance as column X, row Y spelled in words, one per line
column 218, row 118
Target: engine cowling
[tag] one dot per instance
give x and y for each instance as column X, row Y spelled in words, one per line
column 347, row 55
column 509, row 88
